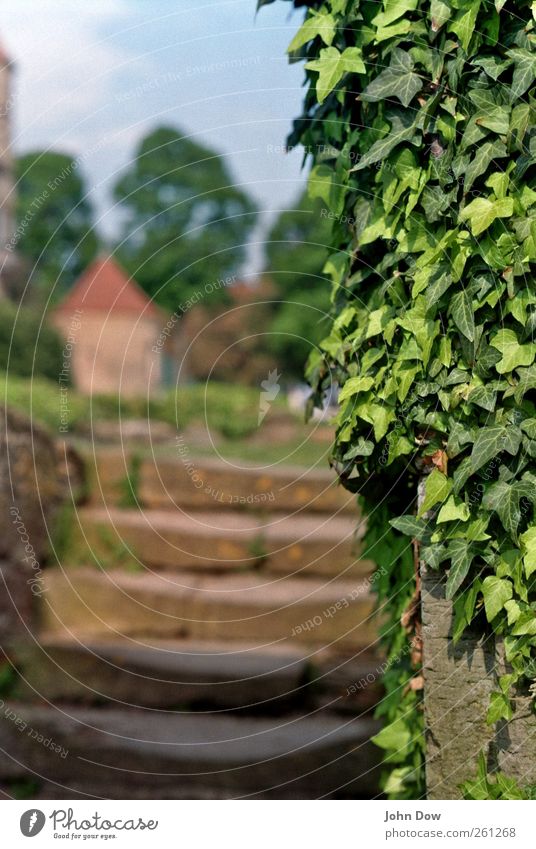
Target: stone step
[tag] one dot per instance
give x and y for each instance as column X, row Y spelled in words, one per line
column 165, row 483
column 250, row 608
column 223, row 541
column 76, row 752
column 163, row 674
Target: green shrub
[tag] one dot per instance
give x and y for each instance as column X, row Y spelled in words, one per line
column 26, row 348
column 40, row 399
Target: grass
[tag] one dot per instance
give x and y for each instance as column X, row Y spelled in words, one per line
column 231, row 411
column 130, row 484
column 296, row 452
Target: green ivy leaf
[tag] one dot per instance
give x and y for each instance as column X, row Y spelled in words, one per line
column 482, row 212
column 436, row 489
column 499, row 708
column 440, row 13
column 433, row 555
column 461, row 555
column 513, row 353
column 527, row 380
column 399, row 445
column 485, row 397
column 489, row 442
column 396, row 736
column 336, row 263
column 504, row 499
column 411, row 526
column 481, row 161
column 493, row 65
column 476, row 530
column 392, row 11
column 496, row 592
column 461, row 310
column 454, row 510
column 332, row 65
column 316, row 24
column 513, row 611
column 528, row 547
column 323, row 184
column 398, row 80
column 363, row 448
column 524, row 72
column 393, row 31
column 355, row 385
column 464, row 23
column 402, row 129
column 396, row 783
column 525, row 625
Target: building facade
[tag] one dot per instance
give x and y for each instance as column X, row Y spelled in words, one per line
column 110, row 328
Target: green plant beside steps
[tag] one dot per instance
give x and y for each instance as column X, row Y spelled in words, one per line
column 419, row 120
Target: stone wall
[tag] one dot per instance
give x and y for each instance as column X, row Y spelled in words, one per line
column 458, row 681
column 31, row 489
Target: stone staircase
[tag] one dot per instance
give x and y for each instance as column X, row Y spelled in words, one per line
column 208, row 632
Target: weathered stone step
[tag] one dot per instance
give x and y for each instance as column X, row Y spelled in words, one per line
column 129, row 754
column 204, row 484
column 223, row 541
column 163, row 674
column 250, row 608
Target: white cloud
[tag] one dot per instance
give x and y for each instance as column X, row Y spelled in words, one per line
column 63, row 66
column 76, row 60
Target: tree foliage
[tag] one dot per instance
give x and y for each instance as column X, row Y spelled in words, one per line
column 420, row 117
column 296, row 250
column 186, row 224
column 54, row 218
column 28, row 348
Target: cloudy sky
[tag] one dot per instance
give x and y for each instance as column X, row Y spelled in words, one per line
column 93, row 77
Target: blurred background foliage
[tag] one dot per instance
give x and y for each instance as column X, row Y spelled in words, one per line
column 28, row 346
column 233, row 414
column 56, row 231
column 185, row 222
column 295, row 256
column 184, row 225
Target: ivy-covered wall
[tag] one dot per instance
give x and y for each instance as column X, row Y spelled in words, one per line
column 419, row 120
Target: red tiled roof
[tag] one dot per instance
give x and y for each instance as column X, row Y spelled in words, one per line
column 106, row 287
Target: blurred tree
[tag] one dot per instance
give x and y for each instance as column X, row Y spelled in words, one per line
column 295, row 255
column 186, row 224
column 54, row 218
column 26, row 348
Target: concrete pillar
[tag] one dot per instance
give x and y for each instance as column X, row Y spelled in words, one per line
column 458, row 681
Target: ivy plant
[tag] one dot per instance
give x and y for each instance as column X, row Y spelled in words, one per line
column 419, row 119
column 498, row 786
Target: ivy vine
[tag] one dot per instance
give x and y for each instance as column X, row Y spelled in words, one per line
column 419, row 119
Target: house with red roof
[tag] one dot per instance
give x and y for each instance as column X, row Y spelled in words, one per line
column 110, row 328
